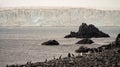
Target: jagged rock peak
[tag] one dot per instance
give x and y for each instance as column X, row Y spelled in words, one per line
column 87, row 31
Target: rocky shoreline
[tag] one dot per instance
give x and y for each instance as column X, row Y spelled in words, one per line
column 108, row 57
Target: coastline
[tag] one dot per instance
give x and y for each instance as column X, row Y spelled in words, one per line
column 107, row 58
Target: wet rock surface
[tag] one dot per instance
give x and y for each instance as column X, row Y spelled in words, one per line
column 87, row 31
column 85, row 41
column 51, row 42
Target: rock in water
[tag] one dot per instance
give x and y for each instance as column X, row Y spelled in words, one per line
column 82, row 49
column 51, row 42
column 85, row 41
column 87, row 31
column 113, row 45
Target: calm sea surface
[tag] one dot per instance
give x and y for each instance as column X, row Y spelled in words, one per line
column 21, row 44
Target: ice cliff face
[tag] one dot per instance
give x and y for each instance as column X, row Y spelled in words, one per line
column 58, row 17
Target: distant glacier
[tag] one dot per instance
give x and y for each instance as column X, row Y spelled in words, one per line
column 59, row 17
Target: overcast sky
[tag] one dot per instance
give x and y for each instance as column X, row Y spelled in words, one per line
column 112, row 4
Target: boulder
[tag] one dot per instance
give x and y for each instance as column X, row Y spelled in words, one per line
column 117, row 41
column 85, row 41
column 118, row 51
column 51, row 42
column 82, row 49
column 104, row 47
column 87, row 31
column 86, row 49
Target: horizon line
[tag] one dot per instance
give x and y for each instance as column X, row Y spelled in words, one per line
column 59, row 7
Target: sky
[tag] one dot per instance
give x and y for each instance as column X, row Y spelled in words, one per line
column 100, row 4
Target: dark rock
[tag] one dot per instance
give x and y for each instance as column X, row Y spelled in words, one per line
column 51, row 42
column 112, row 45
column 72, row 35
column 117, row 42
column 118, row 51
column 87, row 31
column 107, row 47
column 69, row 55
column 104, row 47
column 93, row 50
column 85, row 41
column 82, row 49
column 86, row 49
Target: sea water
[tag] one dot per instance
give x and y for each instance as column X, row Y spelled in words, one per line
column 21, row 44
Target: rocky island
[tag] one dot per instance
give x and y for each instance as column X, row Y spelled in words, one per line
column 51, row 42
column 85, row 41
column 87, row 31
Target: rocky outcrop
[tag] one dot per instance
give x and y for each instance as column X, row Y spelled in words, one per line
column 51, row 42
column 117, row 42
column 85, row 41
column 87, row 31
column 110, row 46
column 107, row 58
column 84, row 49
